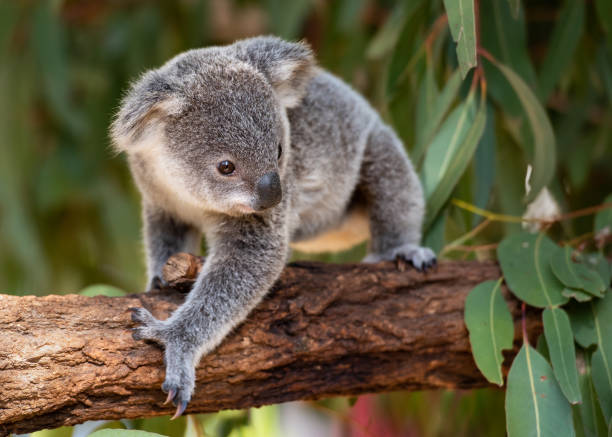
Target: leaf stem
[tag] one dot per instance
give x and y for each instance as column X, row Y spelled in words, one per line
column 471, row 234
column 514, row 219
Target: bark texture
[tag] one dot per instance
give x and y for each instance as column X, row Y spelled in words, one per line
column 324, row 330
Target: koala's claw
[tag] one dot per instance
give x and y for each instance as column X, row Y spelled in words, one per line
column 171, row 394
column 421, row 258
column 180, row 409
column 180, row 396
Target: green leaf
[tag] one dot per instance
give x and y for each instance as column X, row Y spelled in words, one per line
column 386, row 37
column 123, row 433
column 590, row 412
column 575, row 274
column 440, row 107
column 102, row 290
column 535, row 405
column 515, row 7
column 560, row 341
column 583, row 325
column 446, row 144
column 428, row 95
column 600, row 264
column 491, row 328
column 461, row 21
column 525, row 262
column 544, row 155
column 579, row 296
column 434, row 237
column 484, row 162
column 542, row 347
column 602, row 357
column 603, row 219
column 286, row 18
column 49, row 43
column 566, row 34
column 505, row 38
column 403, row 53
column 455, row 165
column 604, row 13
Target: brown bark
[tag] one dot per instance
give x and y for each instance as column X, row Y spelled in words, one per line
column 324, row 330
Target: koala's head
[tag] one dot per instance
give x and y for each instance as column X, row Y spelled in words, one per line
column 211, row 124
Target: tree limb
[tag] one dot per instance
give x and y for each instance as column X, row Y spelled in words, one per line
column 324, row 330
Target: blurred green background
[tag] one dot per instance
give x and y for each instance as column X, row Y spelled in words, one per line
column 69, row 212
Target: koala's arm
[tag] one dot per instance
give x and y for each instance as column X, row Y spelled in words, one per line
column 246, row 256
column 165, row 235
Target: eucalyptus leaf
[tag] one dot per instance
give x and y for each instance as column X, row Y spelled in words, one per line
column 578, row 295
column 286, row 18
column 428, row 94
column 602, row 357
column 386, row 37
column 515, row 7
column 446, row 144
column 505, row 37
column 403, row 51
column 438, row 111
column 575, row 274
column 600, row 264
column 455, row 166
column 484, row 162
column 461, row 21
column 535, row 405
column 542, row 347
column 583, row 325
column 544, row 153
column 603, row 219
column 525, row 262
column 590, row 412
column 491, row 328
column 560, row 341
column 566, row 34
column 604, row 13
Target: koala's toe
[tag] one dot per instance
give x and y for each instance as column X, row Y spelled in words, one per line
column 141, row 315
column 422, row 258
column 178, row 394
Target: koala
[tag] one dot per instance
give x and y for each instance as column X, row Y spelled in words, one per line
column 256, row 147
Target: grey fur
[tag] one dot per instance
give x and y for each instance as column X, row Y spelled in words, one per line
column 239, row 103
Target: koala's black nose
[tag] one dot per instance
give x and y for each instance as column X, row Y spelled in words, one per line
column 269, row 191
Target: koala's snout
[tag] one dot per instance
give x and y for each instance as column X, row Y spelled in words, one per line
column 269, row 192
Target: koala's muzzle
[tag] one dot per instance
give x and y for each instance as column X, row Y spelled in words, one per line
column 268, row 190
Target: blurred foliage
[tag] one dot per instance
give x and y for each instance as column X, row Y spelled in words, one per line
column 69, row 213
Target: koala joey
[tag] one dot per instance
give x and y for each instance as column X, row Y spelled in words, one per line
column 255, row 146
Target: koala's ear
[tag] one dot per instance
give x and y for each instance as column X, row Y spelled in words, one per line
column 143, row 110
column 288, row 66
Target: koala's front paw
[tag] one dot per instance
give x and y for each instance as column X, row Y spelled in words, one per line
column 422, row 258
column 178, row 356
column 150, row 329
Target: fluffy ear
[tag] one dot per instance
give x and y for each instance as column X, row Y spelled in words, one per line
column 288, row 66
column 149, row 101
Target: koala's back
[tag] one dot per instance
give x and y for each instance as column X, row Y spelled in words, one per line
column 329, row 132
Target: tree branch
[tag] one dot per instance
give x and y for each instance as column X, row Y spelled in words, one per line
column 324, row 330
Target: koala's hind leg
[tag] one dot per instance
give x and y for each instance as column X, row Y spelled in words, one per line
column 395, row 201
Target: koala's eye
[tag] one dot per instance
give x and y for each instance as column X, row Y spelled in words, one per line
column 226, row 167
column 280, row 151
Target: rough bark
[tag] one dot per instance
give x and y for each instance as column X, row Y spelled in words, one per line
column 324, row 330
